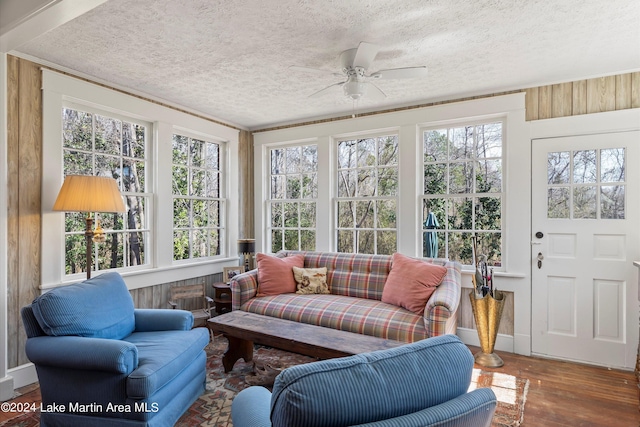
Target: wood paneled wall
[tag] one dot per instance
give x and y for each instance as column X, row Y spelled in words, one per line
column 245, row 176
column 597, row 95
column 24, row 181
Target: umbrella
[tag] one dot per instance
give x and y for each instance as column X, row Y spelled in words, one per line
column 431, row 237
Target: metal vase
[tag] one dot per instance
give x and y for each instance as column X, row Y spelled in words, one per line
column 487, row 312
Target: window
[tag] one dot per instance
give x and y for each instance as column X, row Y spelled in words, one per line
column 367, row 195
column 586, row 184
column 292, row 198
column 106, row 145
column 463, row 189
column 197, row 198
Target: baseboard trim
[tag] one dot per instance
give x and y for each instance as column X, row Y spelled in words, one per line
column 6, row 388
column 24, row 375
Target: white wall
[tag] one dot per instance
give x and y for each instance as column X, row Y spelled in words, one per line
column 515, row 276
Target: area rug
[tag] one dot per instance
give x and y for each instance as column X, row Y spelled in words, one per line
column 213, row 408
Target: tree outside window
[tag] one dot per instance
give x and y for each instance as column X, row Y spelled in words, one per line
column 463, row 187
column 367, row 195
column 103, row 145
column 197, row 198
column 293, row 193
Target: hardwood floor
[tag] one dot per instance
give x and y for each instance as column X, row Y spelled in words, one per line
column 560, row 393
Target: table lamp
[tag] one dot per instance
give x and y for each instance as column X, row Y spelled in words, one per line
column 87, row 193
column 247, row 248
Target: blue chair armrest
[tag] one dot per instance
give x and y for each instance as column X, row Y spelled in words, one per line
column 251, row 408
column 149, row 320
column 91, row 354
column 475, row 408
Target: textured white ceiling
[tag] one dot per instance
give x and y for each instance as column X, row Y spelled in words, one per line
column 230, row 59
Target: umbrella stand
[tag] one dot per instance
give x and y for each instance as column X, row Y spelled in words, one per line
column 487, row 312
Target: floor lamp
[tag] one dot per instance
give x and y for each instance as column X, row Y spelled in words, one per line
column 87, row 193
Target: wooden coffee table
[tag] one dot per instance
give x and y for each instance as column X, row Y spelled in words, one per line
column 243, row 329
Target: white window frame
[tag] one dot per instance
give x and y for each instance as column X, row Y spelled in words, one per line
column 269, row 201
column 337, row 198
column 472, row 194
column 59, row 89
column 222, row 196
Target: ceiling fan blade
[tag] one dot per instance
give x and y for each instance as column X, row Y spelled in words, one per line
column 365, row 55
column 325, row 90
column 314, row 70
column 401, row 73
column 374, row 92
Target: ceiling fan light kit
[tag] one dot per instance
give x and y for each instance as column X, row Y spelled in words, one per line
column 355, row 63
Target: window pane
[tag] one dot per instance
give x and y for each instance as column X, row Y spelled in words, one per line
column 346, row 214
column 180, row 150
column 133, row 176
column 310, row 186
column 197, row 148
column 133, row 140
column 212, row 184
column 364, row 214
column 197, row 183
column 200, row 213
column 436, row 145
column 77, row 163
column 108, row 166
column 489, row 176
column 459, row 213
column 276, row 214
column 461, row 143
column 386, row 242
column 488, row 213
column 366, row 152
column 386, row 214
column 489, row 138
column 366, row 183
column 558, row 202
column 347, row 183
column 181, row 213
column 612, row 200
column 435, row 179
column 291, row 240
column 180, row 244
column 584, row 166
column 388, row 151
column 461, row 178
column 460, row 247
column 212, row 156
column 293, row 159
column 77, row 129
column 584, row 202
column 346, row 241
column 309, row 158
column 558, row 167
column 213, row 208
column 347, row 154
column 276, row 240
column 387, row 181
column 489, row 244
column 277, row 187
column 612, row 165
column 307, row 240
column 308, row 215
column 293, row 186
column 180, row 180
column 277, row 162
column 366, row 243
column 291, row 215
column 108, row 135
column 75, row 249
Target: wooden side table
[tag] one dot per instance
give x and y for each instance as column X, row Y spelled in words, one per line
column 222, row 297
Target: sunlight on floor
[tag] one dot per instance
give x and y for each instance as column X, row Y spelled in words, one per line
column 503, row 385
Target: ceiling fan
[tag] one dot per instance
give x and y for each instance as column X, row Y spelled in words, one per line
column 355, row 63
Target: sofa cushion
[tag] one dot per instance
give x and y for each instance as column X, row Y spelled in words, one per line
column 356, row 389
column 311, row 280
column 100, row 307
column 411, row 282
column 275, row 275
column 359, row 315
column 160, row 358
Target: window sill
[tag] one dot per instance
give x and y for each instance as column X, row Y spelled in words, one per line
column 142, row 278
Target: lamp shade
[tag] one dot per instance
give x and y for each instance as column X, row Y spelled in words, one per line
column 87, row 193
column 246, row 246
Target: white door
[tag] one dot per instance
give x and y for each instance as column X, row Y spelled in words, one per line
column 585, row 229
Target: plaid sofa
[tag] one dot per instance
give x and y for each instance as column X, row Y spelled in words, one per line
column 356, row 282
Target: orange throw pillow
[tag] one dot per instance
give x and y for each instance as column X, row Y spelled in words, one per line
column 275, row 275
column 411, row 282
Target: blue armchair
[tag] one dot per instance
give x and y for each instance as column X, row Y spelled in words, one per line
column 100, row 362
column 420, row 384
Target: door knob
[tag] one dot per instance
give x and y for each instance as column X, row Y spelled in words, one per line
column 540, row 258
